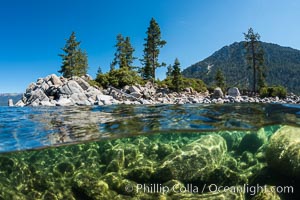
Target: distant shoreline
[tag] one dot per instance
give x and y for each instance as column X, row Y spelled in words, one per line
column 4, row 97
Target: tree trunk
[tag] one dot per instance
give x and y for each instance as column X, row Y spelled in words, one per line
column 153, row 67
column 254, row 67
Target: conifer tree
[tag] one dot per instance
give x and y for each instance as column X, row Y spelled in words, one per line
column 176, row 76
column 129, row 50
column 169, row 71
column 261, row 70
column 81, row 63
column 255, row 58
column 152, row 50
column 220, row 79
column 124, row 53
column 99, row 71
column 112, row 67
column 119, row 57
column 74, row 61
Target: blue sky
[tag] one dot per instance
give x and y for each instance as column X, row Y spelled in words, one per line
column 34, row 31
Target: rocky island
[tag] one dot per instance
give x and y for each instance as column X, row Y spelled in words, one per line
column 76, row 91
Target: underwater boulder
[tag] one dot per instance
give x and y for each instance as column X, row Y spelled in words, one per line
column 248, row 158
column 267, row 194
column 253, row 141
column 195, row 160
column 233, row 138
column 48, row 195
column 88, row 186
column 223, row 175
column 164, row 150
column 175, row 186
column 228, row 194
column 119, row 184
column 10, row 193
column 117, row 162
column 64, row 169
column 7, row 165
column 283, row 151
column 140, row 174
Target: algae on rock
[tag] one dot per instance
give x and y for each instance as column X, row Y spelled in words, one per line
column 283, row 152
column 194, row 161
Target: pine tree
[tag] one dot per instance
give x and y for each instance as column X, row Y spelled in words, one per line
column 74, row 61
column 99, row 71
column 176, row 76
column 129, row 50
column 220, row 79
column 119, row 57
column 112, row 67
column 255, row 58
column 124, row 53
column 261, row 83
column 169, row 71
column 152, row 50
column 81, row 63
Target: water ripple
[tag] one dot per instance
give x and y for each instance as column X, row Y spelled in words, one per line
column 29, row 128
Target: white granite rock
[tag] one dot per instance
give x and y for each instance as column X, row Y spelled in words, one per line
column 234, row 92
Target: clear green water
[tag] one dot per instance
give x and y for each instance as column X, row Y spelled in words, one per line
column 145, row 152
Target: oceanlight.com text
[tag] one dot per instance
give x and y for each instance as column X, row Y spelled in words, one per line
column 252, row 190
column 190, row 188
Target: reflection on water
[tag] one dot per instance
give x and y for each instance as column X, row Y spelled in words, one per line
column 26, row 128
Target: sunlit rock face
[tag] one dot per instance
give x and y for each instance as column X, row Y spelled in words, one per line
column 59, row 91
column 283, row 153
column 196, row 160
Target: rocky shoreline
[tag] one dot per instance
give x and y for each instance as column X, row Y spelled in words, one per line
column 59, row 91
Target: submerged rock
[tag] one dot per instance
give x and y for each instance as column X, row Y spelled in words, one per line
column 195, row 161
column 233, row 138
column 111, row 169
column 268, row 193
column 64, row 168
column 253, row 141
column 283, row 152
column 87, row 187
column 7, row 164
column 117, row 160
column 229, row 194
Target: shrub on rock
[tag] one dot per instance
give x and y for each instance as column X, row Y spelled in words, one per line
column 197, row 84
column 119, row 78
column 275, row 91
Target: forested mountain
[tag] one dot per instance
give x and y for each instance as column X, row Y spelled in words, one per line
column 282, row 66
column 5, row 96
